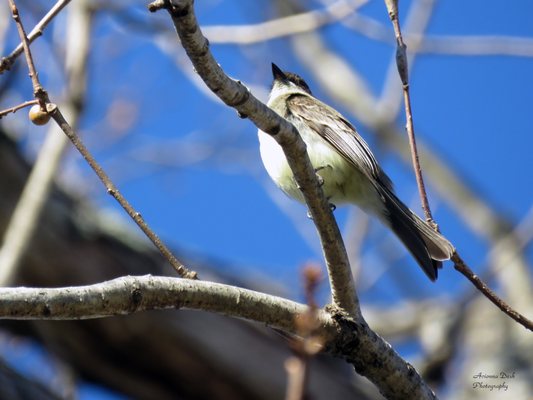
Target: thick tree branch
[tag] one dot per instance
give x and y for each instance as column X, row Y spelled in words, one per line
column 139, row 293
column 236, row 95
column 344, row 337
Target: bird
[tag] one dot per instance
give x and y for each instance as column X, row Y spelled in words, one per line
column 347, row 170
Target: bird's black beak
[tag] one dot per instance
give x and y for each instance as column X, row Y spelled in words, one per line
column 278, row 73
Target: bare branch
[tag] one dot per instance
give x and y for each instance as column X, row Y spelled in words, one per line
column 488, row 45
column 351, row 340
column 139, row 293
column 478, row 45
column 14, row 109
column 58, row 117
column 416, row 23
column 37, row 88
column 7, row 62
column 460, row 266
column 291, row 25
column 310, row 342
column 236, row 95
column 402, row 63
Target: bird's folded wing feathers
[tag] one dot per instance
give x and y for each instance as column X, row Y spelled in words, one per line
column 343, row 137
column 339, row 133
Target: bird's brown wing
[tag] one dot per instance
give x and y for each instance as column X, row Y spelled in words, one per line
column 339, row 133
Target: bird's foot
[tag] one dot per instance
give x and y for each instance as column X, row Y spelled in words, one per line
column 318, row 177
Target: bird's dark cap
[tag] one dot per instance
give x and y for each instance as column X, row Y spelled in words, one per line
column 287, row 77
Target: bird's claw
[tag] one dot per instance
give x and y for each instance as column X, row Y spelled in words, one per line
column 318, row 177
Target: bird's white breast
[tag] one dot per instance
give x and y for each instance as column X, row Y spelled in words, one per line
column 339, row 177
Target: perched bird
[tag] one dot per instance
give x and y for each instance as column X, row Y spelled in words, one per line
column 348, row 170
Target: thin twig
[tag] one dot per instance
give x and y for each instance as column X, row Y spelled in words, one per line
column 460, row 266
column 310, row 340
column 37, row 88
column 415, row 159
column 14, row 109
column 402, row 63
column 7, row 62
column 489, row 45
column 55, row 113
column 27, row 211
column 297, row 374
column 417, row 20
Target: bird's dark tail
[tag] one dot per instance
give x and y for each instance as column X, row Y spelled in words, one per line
column 427, row 246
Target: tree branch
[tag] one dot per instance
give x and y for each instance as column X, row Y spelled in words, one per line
column 416, row 23
column 14, row 109
column 461, row 267
column 344, row 337
column 402, row 63
column 7, row 62
column 236, row 95
column 131, row 294
column 58, row 117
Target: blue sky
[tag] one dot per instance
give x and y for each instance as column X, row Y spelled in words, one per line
column 192, row 167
